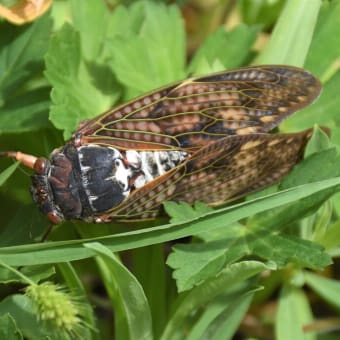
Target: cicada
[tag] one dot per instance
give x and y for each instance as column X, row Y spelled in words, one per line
column 203, row 139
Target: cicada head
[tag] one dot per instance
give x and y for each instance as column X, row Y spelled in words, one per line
column 42, row 193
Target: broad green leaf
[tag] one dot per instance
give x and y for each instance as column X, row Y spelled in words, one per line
column 21, row 309
column 293, row 314
column 8, row 328
column 126, row 21
column 198, row 297
column 73, row 250
column 4, row 175
column 308, row 170
column 183, row 211
column 153, row 56
column 194, row 263
column 325, row 47
column 74, row 96
column 328, row 289
column 21, row 54
column 133, row 318
column 94, row 35
column 217, row 46
column 91, row 31
column 292, row 35
column 25, row 226
column 283, row 249
column 26, row 112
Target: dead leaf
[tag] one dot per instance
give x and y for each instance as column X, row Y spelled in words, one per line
column 25, row 11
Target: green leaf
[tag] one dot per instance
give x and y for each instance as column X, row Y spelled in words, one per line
column 194, row 263
column 73, row 250
column 21, row 54
column 150, row 271
column 222, row 316
column 283, row 249
column 293, row 313
column 308, row 170
column 91, row 31
column 133, row 318
column 28, row 224
column 325, row 47
column 292, row 35
column 74, row 96
column 217, row 47
column 4, row 175
column 316, row 226
column 126, row 21
column 318, row 142
column 21, row 309
column 34, row 273
column 331, row 238
column 155, row 54
column 26, row 112
column 328, row 289
column 8, row 328
column 199, row 296
column 261, row 12
column 183, row 211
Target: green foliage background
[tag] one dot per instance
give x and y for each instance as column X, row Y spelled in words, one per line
column 244, row 260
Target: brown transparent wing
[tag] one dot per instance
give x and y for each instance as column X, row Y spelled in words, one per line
column 192, row 113
column 228, row 168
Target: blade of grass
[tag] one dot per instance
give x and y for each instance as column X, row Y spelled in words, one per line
column 132, row 317
column 73, row 250
column 292, row 35
column 4, row 175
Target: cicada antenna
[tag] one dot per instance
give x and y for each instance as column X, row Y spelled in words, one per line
column 25, row 159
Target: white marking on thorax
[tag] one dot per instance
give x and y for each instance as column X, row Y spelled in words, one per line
column 121, row 174
column 153, row 164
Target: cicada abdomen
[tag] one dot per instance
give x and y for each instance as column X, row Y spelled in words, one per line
column 202, row 139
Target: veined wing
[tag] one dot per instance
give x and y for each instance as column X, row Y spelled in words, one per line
column 189, row 114
column 225, row 169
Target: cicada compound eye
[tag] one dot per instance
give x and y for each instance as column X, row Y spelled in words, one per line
column 54, row 218
column 40, row 165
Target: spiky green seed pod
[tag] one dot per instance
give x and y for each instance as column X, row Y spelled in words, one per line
column 56, row 308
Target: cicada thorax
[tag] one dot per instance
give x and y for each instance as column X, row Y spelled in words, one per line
column 87, row 181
